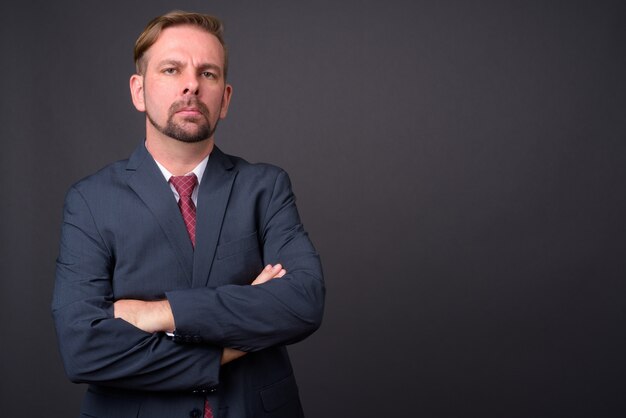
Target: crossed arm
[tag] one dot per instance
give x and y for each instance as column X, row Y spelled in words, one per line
column 103, row 340
column 157, row 316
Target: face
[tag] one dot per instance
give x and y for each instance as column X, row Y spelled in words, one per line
column 182, row 90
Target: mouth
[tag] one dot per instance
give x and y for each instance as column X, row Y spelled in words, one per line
column 189, row 111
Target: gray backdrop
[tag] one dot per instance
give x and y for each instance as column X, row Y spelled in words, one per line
column 459, row 165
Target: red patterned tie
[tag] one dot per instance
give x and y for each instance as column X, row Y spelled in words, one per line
column 208, row 413
column 184, row 186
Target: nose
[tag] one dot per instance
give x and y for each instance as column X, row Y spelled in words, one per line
column 191, row 86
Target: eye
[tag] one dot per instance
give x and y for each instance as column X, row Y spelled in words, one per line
column 169, row 70
column 208, row 74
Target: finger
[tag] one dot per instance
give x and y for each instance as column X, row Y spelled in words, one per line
column 269, row 272
column 266, row 274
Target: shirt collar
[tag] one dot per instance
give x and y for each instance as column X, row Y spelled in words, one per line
column 198, row 171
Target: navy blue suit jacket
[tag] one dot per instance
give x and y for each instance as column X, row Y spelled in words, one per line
column 123, row 237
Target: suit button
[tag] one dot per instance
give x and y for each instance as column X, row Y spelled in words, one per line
column 200, row 391
column 212, row 389
column 195, row 413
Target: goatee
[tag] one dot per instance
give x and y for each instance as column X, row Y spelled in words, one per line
column 177, row 130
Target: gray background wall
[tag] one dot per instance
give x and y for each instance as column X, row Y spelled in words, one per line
column 459, row 165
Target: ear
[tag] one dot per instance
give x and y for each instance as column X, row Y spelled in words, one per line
column 136, row 92
column 228, row 92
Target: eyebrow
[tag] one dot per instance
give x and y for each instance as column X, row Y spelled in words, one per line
column 170, row 62
column 203, row 66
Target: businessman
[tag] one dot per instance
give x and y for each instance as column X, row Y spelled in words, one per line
column 184, row 272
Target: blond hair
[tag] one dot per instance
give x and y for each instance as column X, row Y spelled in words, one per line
column 153, row 30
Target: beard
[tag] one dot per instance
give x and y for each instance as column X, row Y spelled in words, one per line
column 191, row 129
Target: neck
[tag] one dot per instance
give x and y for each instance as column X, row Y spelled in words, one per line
column 178, row 157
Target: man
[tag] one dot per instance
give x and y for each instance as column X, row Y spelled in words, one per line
column 162, row 302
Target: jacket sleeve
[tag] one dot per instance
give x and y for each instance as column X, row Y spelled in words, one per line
column 96, row 347
column 281, row 311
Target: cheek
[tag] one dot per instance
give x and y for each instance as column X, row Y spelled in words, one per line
column 219, row 106
column 160, row 93
column 156, row 101
column 214, row 107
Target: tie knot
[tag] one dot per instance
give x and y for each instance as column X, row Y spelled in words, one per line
column 184, row 184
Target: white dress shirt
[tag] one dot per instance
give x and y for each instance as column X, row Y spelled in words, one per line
column 198, row 171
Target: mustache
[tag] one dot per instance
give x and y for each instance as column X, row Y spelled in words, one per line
column 181, row 104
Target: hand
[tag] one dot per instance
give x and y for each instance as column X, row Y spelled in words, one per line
column 148, row 316
column 230, row 354
column 270, row 272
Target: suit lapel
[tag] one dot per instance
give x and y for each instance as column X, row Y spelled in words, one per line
column 213, row 195
column 148, row 183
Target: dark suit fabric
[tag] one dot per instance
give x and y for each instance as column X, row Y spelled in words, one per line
column 123, row 237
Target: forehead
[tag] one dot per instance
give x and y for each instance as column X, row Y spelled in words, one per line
column 184, row 43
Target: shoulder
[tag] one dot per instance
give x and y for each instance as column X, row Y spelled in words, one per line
column 247, row 169
column 258, row 179
column 108, row 177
